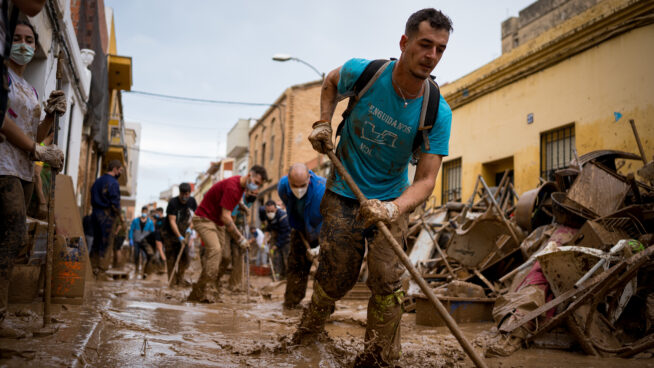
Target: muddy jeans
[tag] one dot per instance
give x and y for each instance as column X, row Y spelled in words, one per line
column 213, row 237
column 279, row 257
column 143, row 251
column 13, row 204
column 342, row 246
column 101, row 252
column 232, row 253
column 172, row 247
column 297, row 272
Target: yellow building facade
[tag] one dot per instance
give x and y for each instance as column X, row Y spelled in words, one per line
column 120, row 79
column 574, row 87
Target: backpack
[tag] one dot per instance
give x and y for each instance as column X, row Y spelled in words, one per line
column 428, row 114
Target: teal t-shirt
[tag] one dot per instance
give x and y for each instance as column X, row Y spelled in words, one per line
column 377, row 139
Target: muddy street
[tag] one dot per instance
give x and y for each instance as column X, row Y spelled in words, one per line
column 132, row 323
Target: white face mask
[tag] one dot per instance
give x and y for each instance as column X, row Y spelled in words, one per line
column 299, row 192
column 271, row 215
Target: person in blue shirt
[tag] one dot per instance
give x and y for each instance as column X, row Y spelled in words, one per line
column 376, row 147
column 278, row 231
column 139, row 231
column 105, row 201
column 301, row 192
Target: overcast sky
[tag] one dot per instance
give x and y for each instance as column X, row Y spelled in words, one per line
column 222, row 50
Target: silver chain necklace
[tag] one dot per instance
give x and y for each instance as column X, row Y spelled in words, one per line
column 402, row 91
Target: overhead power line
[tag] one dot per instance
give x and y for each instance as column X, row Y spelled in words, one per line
column 185, row 126
column 202, row 100
column 172, row 154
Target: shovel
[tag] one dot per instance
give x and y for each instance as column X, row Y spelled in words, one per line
column 449, row 321
column 179, row 256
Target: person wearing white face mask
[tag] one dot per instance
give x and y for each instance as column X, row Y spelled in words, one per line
column 22, row 126
column 301, row 192
column 278, row 234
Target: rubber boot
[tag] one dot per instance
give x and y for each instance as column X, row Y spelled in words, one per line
column 382, row 340
column 7, row 331
column 312, row 324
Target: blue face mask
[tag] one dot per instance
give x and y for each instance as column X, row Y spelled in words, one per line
column 252, row 186
column 21, row 53
column 144, row 215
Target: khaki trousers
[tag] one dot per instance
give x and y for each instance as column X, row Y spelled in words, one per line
column 213, row 237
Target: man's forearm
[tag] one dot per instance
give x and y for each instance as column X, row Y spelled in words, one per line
column 328, row 95
column 231, row 228
column 415, row 195
column 172, row 221
column 423, row 183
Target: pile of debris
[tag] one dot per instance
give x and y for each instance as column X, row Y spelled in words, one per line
column 561, row 266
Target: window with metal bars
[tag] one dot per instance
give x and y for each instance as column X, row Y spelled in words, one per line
column 451, row 188
column 556, row 150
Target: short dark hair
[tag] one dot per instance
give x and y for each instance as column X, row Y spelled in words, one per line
column 144, row 208
column 270, row 202
column 114, row 164
column 185, row 188
column 26, row 23
column 436, row 19
column 260, row 170
column 160, row 209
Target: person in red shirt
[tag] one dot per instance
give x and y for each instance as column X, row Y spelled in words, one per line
column 212, row 219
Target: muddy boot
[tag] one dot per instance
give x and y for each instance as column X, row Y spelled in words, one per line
column 382, row 340
column 205, row 291
column 312, row 324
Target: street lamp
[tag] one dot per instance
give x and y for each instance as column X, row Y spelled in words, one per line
column 286, row 57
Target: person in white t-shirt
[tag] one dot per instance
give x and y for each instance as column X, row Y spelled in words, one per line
column 16, row 164
column 257, row 237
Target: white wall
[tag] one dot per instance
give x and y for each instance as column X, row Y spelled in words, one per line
column 41, row 74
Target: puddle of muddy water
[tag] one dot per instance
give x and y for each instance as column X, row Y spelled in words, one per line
column 145, row 323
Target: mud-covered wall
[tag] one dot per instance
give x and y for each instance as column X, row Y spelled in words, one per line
column 584, row 90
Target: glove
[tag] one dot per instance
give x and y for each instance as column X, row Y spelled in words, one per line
column 314, row 251
column 321, row 136
column 374, row 210
column 181, row 239
column 51, row 155
column 244, row 244
column 56, row 102
column 131, row 242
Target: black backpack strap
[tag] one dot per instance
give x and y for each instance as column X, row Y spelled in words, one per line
column 428, row 114
column 367, row 78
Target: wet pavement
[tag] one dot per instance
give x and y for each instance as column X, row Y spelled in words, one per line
column 143, row 323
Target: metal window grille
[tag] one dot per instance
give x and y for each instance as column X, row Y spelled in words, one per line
column 556, row 150
column 451, row 188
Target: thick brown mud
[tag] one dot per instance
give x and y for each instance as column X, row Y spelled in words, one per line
column 137, row 323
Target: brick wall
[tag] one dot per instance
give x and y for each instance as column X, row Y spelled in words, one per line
column 299, row 108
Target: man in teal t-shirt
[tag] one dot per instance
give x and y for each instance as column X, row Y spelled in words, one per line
column 375, row 148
